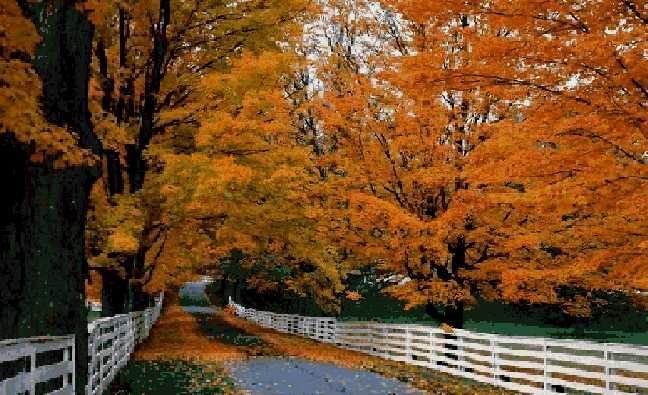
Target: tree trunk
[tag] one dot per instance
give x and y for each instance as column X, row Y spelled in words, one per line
column 43, row 210
column 125, row 108
column 454, row 315
column 113, row 294
column 135, row 152
column 115, row 180
column 115, row 288
column 238, row 289
column 42, row 288
column 228, row 290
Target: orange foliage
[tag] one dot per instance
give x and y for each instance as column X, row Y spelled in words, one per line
column 93, row 287
column 504, row 153
column 20, row 112
column 196, row 159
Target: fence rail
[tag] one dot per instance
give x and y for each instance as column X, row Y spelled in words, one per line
column 526, row 364
column 111, row 340
column 22, row 356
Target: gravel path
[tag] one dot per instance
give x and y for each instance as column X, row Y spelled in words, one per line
column 293, row 376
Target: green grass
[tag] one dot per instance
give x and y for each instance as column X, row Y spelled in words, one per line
column 523, row 329
column 93, row 315
column 627, row 327
column 175, row 377
column 193, row 300
column 215, row 328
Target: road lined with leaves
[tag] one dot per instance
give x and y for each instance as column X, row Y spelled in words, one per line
column 211, row 352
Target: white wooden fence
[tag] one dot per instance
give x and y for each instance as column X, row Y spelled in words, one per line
column 23, row 355
column 526, row 364
column 111, row 340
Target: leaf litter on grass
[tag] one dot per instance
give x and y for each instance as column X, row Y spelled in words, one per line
column 171, row 377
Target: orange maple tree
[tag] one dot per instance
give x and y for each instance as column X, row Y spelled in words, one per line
column 502, row 155
column 148, row 104
column 251, row 187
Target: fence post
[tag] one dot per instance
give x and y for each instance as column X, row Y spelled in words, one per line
column 73, row 359
column 607, row 356
column 460, row 353
column 112, row 353
column 32, row 369
column 93, row 358
column 493, row 345
column 147, row 322
column 384, row 336
column 298, row 324
column 131, row 332
column 318, row 328
column 547, row 374
column 432, row 350
column 117, row 345
column 100, row 346
column 408, row 344
column 66, row 357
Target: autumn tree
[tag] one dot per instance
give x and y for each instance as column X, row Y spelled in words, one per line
column 175, row 218
column 503, row 156
column 250, row 187
column 147, row 93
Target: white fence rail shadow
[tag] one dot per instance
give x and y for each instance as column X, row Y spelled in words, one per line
column 111, row 340
column 532, row 365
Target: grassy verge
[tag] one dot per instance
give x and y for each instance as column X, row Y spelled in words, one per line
column 193, row 300
column 215, row 328
column 93, row 315
column 170, row 377
column 616, row 322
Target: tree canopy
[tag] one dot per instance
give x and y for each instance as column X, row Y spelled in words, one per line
column 461, row 150
column 503, row 154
